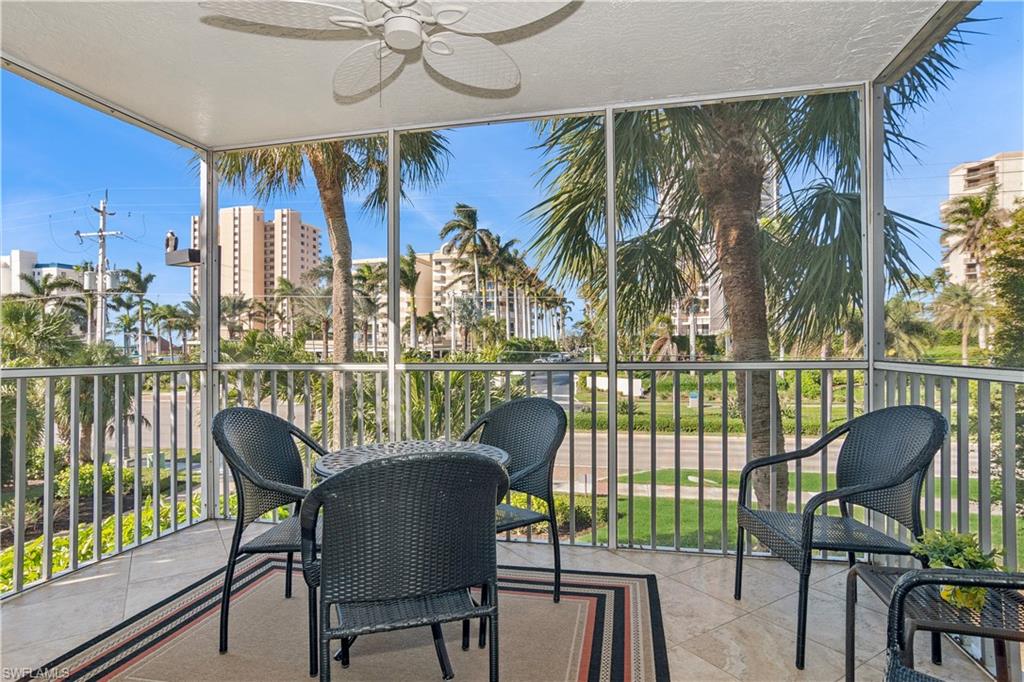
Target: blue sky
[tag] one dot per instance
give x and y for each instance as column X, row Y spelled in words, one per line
column 58, row 157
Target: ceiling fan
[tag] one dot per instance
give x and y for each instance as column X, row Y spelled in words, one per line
column 448, row 35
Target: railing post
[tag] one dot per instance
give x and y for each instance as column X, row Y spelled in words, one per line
column 872, row 141
column 209, row 328
column 613, row 351
column 394, row 324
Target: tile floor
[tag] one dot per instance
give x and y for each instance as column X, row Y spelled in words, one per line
column 710, row 636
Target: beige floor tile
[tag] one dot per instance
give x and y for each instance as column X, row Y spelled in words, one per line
column 687, row 612
column 40, row 652
column 59, row 614
column 748, row 648
column 835, row 585
column 826, row 623
column 145, row 593
column 663, row 563
column 717, row 579
column 109, row 574
column 684, row 665
column 820, row 570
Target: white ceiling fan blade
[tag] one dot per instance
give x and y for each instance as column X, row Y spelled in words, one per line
column 478, row 18
column 365, row 68
column 472, row 61
column 301, row 14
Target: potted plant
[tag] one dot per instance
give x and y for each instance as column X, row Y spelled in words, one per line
column 947, row 549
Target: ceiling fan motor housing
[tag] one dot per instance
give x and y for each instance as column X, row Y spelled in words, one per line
column 403, row 32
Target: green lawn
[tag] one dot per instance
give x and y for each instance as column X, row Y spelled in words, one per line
column 811, row 481
column 713, row 524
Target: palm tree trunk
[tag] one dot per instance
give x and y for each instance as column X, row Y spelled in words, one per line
column 142, row 332
column 731, row 176
column 332, row 200
column 965, row 339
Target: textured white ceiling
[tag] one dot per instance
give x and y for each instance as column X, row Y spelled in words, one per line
column 225, row 84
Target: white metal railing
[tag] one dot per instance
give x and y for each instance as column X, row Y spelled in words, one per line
column 672, row 485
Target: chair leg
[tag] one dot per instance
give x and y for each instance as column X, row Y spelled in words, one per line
column 442, row 653
column 229, row 575
column 801, row 620
column 494, row 642
column 342, row 656
column 937, row 648
column 482, row 640
column 738, row 589
column 314, row 633
column 288, row 575
column 325, row 659
column 465, row 635
column 851, row 623
column 558, row 555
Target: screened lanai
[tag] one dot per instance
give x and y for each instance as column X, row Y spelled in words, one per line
column 673, row 134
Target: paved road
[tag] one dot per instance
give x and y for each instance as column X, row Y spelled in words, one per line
column 582, row 442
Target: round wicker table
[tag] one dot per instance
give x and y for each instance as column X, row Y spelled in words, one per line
column 333, row 462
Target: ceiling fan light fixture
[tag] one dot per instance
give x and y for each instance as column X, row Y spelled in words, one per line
column 403, row 32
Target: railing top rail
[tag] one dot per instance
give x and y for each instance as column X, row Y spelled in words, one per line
column 955, row 371
column 501, row 366
column 43, row 372
column 724, row 365
column 300, row 367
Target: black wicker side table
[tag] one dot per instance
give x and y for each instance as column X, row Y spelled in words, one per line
column 1001, row 618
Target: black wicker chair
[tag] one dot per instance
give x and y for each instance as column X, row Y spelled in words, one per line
column 267, row 469
column 900, row 646
column 881, row 467
column 404, row 540
column 530, row 430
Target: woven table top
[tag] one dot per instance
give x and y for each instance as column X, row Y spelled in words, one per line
column 333, row 462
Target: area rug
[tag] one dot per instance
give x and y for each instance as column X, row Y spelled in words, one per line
column 606, row 627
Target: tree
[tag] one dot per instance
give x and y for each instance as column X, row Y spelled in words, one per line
column 339, row 168
column 467, row 314
column 1006, row 274
column 467, row 237
column 369, row 280
column 408, row 280
column 965, row 307
column 315, row 308
column 137, row 282
column 432, row 325
column 233, row 310
column 690, row 176
column 907, row 332
column 972, row 218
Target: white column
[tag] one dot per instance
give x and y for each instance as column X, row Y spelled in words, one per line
column 394, row 323
column 872, row 139
column 209, row 326
column 612, row 359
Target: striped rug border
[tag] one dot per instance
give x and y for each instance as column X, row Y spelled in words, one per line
column 251, row 571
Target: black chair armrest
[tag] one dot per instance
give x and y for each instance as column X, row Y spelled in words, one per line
column 308, row 514
column 313, row 445
column 941, row 576
column 294, row 491
column 473, row 428
column 786, row 457
column 523, row 473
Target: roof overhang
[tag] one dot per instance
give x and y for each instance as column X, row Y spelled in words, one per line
column 218, row 85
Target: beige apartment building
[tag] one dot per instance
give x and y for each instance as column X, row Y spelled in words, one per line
column 255, row 252
column 1006, row 171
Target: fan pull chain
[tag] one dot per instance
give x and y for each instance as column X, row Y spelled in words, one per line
column 380, row 73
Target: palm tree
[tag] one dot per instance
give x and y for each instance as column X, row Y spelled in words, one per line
column 972, row 219
column 408, row 279
column 284, row 292
column 137, row 282
column 339, row 168
column 500, row 261
column 369, row 282
column 965, row 307
column 467, row 237
column 432, row 325
column 907, row 332
column 232, row 310
column 689, row 175
column 467, row 314
column 189, row 315
column 315, row 308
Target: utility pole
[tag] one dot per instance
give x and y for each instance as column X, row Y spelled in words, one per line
column 100, row 327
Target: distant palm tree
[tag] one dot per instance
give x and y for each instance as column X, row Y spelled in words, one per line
column 370, row 280
column 339, row 168
column 467, row 237
column 432, row 325
column 137, row 282
column 315, row 308
column 907, row 332
column 467, row 315
column 972, row 218
column 408, row 280
column 284, row 292
column 233, row 309
column 965, row 307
